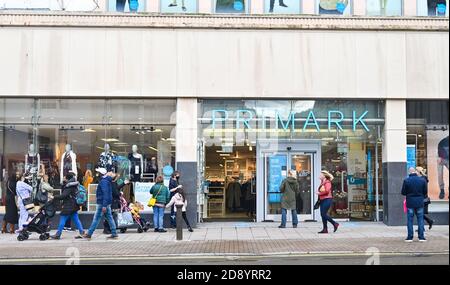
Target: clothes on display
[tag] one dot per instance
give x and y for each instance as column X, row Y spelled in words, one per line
column 233, row 195
column 152, row 166
column 108, row 160
column 136, row 162
column 68, row 163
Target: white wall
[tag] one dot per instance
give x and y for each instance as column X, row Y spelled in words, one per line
column 215, row 63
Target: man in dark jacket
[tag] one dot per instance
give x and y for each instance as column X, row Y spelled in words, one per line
column 115, row 206
column 415, row 190
column 289, row 189
column 104, row 201
column 69, row 209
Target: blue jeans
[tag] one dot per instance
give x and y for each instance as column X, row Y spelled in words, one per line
column 420, row 223
column 158, row 217
column 63, row 220
column 284, row 215
column 98, row 216
column 324, row 207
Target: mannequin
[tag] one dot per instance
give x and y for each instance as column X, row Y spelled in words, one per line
column 136, row 164
column 32, row 160
column 68, row 163
column 107, row 159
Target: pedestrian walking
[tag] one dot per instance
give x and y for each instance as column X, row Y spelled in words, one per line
column 115, row 206
column 69, row 209
column 326, row 199
column 161, row 193
column 104, row 201
column 24, row 192
column 174, row 183
column 415, row 189
column 11, row 216
column 422, row 172
column 180, row 199
column 289, row 189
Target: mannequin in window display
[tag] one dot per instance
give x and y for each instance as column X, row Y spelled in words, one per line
column 68, row 163
column 153, row 167
column 32, row 160
column 136, row 164
column 108, row 160
column 175, row 4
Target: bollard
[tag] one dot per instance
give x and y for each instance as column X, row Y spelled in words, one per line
column 179, row 222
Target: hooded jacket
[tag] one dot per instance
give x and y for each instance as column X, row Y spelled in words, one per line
column 68, row 193
column 289, row 189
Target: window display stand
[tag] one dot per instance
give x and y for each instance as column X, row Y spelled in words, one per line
column 216, row 199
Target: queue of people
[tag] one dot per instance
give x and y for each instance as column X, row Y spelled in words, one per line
column 108, row 196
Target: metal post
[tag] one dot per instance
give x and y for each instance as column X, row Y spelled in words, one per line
column 179, row 222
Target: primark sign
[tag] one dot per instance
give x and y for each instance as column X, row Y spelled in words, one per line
column 334, row 120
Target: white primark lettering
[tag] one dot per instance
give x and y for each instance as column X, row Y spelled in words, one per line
column 188, row 275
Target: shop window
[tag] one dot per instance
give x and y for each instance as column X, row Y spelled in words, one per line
column 282, row 6
column 384, row 7
column 334, row 7
column 53, row 5
column 80, row 135
column 432, row 8
column 179, row 6
column 126, row 5
column 427, row 145
column 231, row 6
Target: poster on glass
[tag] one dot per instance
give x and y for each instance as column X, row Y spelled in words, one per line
column 334, row 7
column 282, row 6
column 230, row 6
column 179, row 6
column 432, row 8
column 384, row 7
column 437, row 161
column 126, row 5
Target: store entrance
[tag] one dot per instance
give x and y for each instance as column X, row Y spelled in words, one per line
column 231, row 178
column 274, row 161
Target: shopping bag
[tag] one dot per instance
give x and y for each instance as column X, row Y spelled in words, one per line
column 124, row 219
column 405, row 209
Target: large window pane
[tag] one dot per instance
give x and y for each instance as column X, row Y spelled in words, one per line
column 231, row 6
column 334, row 7
column 282, row 6
column 384, row 7
column 179, row 6
column 432, row 8
column 126, row 5
column 54, row 5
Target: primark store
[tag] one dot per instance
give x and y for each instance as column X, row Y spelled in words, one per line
column 232, row 98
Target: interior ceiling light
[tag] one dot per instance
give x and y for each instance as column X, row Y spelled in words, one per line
column 89, row 130
column 110, row 140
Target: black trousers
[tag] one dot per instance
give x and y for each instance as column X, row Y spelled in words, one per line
column 185, row 219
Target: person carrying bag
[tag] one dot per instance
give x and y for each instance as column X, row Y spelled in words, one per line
column 160, row 197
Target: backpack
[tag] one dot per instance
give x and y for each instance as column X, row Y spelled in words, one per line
column 81, row 195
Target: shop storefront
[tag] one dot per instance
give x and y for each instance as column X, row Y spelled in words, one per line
column 427, row 147
column 46, row 138
column 246, row 148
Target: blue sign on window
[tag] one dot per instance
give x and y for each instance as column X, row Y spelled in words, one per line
column 410, row 156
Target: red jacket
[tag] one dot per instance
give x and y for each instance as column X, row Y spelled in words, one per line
column 326, row 192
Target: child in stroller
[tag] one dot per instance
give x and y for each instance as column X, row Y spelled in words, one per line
column 135, row 210
column 39, row 223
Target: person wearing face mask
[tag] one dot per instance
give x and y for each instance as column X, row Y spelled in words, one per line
column 173, row 187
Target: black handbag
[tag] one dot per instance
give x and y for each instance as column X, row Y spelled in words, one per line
column 427, row 201
column 41, row 197
column 317, row 204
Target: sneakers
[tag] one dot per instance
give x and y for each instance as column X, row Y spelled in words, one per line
column 294, row 226
column 55, row 237
column 86, row 236
column 68, row 230
column 162, row 231
column 113, row 237
column 336, row 226
column 408, row 240
column 156, row 230
column 422, row 240
column 281, row 226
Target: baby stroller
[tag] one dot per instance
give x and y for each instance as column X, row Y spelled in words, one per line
column 39, row 223
column 134, row 210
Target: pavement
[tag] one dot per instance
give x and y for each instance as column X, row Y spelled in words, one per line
column 233, row 240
